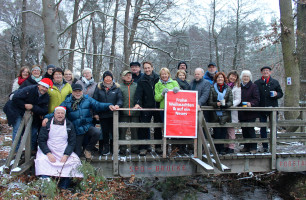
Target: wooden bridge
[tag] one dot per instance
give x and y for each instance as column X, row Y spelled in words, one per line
column 287, row 151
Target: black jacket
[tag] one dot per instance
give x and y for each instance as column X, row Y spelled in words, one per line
column 264, row 91
column 144, row 95
column 249, row 93
column 136, row 78
column 28, row 82
column 28, row 95
column 44, row 135
column 113, row 96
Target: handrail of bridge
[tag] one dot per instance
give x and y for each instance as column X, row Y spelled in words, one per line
column 272, row 124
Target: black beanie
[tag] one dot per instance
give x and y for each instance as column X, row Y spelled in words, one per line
column 107, row 73
column 181, row 62
column 51, row 66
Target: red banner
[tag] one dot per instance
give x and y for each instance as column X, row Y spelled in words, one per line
column 181, row 114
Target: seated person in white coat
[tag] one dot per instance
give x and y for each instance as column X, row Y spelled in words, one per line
column 55, row 155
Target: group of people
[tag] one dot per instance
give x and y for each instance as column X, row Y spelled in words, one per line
column 61, row 103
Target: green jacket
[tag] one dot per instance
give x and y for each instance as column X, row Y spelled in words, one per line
column 159, row 87
column 57, row 97
column 128, row 94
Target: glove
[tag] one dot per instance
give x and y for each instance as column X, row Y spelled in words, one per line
column 165, row 90
column 176, row 90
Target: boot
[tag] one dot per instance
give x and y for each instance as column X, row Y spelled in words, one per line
column 106, row 150
column 100, row 146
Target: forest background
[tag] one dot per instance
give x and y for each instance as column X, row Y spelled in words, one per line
column 109, row 34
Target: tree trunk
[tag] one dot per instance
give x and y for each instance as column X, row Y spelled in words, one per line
column 301, row 48
column 51, row 42
column 126, row 33
column 95, row 48
column 73, row 34
column 113, row 48
column 237, row 36
column 85, row 42
column 23, row 33
column 214, row 35
column 289, row 57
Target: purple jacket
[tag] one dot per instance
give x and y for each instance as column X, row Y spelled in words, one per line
column 249, row 93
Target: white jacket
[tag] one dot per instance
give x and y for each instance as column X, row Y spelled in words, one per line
column 15, row 85
column 236, row 101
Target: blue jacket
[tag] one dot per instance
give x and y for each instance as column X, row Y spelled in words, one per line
column 208, row 77
column 82, row 116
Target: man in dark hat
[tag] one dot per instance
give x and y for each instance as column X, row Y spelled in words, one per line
column 211, row 72
column 79, row 109
column 136, row 71
column 270, row 91
column 182, row 65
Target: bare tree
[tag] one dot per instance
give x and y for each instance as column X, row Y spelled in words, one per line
column 290, row 57
column 114, row 37
column 50, row 31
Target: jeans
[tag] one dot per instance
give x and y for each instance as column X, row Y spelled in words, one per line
column 249, row 132
column 93, row 135
column 64, row 181
column 33, row 133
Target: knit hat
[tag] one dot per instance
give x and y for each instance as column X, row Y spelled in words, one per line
column 87, row 69
column 58, row 70
column 211, row 64
column 60, row 108
column 46, row 82
column 265, row 67
column 51, row 66
column 134, row 64
column 181, row 62
column 107, row 73
column 125, row 72
column 36, row 67
column 77, row 87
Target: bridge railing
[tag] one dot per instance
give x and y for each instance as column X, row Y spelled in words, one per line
column 198, row 142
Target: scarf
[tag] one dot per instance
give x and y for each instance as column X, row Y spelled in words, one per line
column 59, row 85
column 21, row 80
column 266, row 80
column 165, row 82
column 87, row 82
column 76, row 102
column 150, row 78
column 36, row 79
column 231, row 85
column 108, row 86
column 183, row 84
column 220, row 97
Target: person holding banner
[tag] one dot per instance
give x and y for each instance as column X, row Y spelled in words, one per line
column 220, row 97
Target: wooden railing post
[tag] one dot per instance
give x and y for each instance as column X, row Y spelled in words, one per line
column 303, row 128
column 273, row 138
column 115, row 142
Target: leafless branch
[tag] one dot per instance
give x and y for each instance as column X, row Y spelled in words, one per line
column 30, row 11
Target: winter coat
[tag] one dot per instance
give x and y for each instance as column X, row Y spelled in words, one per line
column 57, row 97
column 136, row 78
column 159, row 87
column 145, row 92
column 203, row 88
column 48, row 76
column 212, row 101
column 236, row 101
column 112, row 96
column 44, row 136
column 29, row 95
column 82, row 117
column 264, row 90
column 128, row 98
column 15, row 85
column 208, row 77
column 28, row 82
column 184, row 85
column 87, row 90
column 249, row 93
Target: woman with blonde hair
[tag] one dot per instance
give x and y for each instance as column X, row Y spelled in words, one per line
column 181, row 77
column 68, row 76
